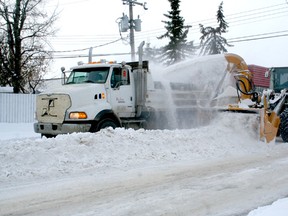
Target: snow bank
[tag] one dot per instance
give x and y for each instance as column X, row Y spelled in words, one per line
column 16, row 131
column 24, row 156
column 34, row 157
column 278, row 208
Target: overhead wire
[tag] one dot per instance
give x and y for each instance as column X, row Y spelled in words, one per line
column 249, row 36
column 86, row 55
column 258, row 38
column 235, row 19
column 232, row 40
column 76, row 50
column 156, row 32
column 68, row 3
column 256, row 18
column 211, row 21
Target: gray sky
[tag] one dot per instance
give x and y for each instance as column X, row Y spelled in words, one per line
column 91, row 23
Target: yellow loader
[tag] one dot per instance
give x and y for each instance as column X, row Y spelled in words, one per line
column 250, row 101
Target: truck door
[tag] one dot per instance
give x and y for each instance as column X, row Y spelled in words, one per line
column 122, row 92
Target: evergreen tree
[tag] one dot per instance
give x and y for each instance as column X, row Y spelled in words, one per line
column 212, row 41
column 178, row 48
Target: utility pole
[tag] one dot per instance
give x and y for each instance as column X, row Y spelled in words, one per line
column 132, row 42
column 132, row 24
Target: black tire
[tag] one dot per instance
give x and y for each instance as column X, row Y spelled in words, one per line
column 106, row 123
column 284, row 125
column 48, row 136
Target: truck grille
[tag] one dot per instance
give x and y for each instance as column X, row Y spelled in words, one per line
column 51, row 108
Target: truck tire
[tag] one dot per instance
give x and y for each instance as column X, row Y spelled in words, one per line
column 284, row 125
column 48, row 136
column 105, row 123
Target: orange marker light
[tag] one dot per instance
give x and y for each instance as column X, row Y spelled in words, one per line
column 78, row 115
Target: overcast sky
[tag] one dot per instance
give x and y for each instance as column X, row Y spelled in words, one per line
column 256, row 28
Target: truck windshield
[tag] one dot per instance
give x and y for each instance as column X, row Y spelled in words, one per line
column 88, row 75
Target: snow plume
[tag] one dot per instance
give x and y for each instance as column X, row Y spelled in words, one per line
column 189, row 88
column 202, row 72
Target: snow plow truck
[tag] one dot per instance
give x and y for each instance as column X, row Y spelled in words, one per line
column 98, row 95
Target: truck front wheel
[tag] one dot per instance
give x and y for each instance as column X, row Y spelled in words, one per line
column 48, row 136
column 105, row 123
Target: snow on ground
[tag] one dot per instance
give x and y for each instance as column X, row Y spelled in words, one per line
column 16, row 131
column 25, row 156
column 278, row 208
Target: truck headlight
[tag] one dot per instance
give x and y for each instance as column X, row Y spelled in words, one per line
column 78, row 115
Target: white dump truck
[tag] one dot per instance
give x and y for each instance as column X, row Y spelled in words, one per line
column 108, row 94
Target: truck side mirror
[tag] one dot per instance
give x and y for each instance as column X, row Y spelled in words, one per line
column 64, row 75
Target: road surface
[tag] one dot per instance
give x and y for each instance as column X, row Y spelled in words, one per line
column 232, row 186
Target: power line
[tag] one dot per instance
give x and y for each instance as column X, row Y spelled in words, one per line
column 211, row 21
column 85, row 55
column 258, row 38
column 239, row 15
column 236, row 14
column 152, row 33
column 249, row 36
column 231, row 40
column 77, row 50
column 70, row 3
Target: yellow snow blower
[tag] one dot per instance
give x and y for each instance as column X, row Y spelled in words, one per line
column 248, row 100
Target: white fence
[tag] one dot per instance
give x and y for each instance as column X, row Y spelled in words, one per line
column 17, row 108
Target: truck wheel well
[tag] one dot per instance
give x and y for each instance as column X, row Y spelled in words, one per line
column 105, row 115
column 105, row 123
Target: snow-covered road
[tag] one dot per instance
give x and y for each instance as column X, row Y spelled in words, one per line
column 125, row 172
column 218, row 187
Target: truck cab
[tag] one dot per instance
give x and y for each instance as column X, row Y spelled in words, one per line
column 94, row 96
column 279, row 78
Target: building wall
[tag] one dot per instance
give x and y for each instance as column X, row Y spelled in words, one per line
column 20, row 108
column 261, row 76
column 17, row 108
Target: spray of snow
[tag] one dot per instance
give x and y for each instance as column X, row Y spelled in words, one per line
column 190, row 87
column 200, row 71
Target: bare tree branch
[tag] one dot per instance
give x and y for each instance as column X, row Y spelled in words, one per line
column 24, row 31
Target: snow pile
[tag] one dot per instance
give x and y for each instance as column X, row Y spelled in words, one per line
column 278, row 208
column 124, row 149
column 16, row 131
column 32, row 159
